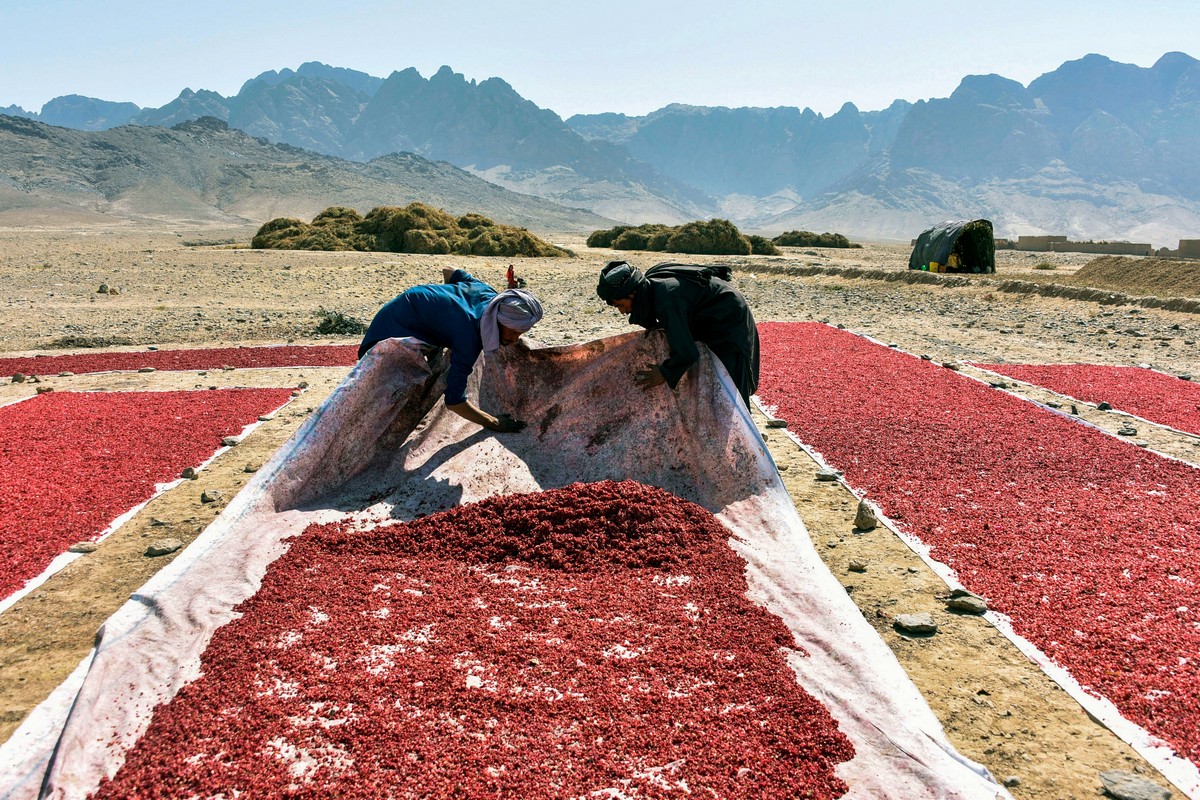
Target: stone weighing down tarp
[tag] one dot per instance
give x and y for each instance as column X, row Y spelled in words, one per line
column 383, row 447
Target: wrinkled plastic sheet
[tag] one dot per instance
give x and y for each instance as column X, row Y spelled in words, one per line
column 383, row 447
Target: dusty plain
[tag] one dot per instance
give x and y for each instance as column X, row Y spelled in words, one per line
column 179, row 287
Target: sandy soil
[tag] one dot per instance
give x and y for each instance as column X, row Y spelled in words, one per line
column 174, row 290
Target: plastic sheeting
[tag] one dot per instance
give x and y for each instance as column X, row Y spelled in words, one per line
column 383, row 447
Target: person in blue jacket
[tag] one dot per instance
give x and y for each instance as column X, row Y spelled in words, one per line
column 469, row 317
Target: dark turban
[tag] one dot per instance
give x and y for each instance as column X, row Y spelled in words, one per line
column 618, row 280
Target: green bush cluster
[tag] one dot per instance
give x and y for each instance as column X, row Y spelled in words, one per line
column 810, row 239
column 415, row 228
column 716, row 237
column 762, row 246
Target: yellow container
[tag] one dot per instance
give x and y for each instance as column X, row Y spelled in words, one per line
column 933, row 267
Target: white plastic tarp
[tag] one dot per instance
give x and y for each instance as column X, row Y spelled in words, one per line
column 383, row 447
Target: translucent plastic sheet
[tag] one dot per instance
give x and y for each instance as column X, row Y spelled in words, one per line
column 384, row 447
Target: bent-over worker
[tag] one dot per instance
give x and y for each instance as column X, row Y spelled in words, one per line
column 469, row 317
column 691, row 304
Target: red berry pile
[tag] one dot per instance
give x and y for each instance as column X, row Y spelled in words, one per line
column 1150, row 395
column 1088, row 544
column 595, row 638
column 212, row 358
column 72, row 462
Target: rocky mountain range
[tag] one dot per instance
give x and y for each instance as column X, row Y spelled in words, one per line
column 1094, row 150
column 204, row 172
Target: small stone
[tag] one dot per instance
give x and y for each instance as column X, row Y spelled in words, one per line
column 265, row 418
column 828, row 475
column 967, row 603
column 294, row 394
column 229, row 441
column 210, row 496
column 1127, row 430
column 865, row 518
column 113, row 290
column 921, row 624
column 103, row 289
column 1053, row 404
column 151, row 347
column 1012, row 781
column 155, row 522
column 1103, row 406
column 857, row 565
column 250, row 468
column 83, row 547
column 146, row 369
column 784, row 467
column 953, row 365
column 65, row 374
column 18, row 377
column 162, row 547
column 227, row 368
column 44, row 389
column 302, row 385
column 1187, row 376
column 775, row 422
column 1127, row 786
column 926, row 357
column 188, row 473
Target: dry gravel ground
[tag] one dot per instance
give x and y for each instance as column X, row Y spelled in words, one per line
column 184, row 288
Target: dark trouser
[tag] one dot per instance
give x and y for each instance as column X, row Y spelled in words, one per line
column 742, row 367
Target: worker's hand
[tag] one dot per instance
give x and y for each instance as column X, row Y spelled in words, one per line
column 650, row 376
column 506, row 424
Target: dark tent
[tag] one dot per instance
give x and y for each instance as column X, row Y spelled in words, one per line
column 962, row 246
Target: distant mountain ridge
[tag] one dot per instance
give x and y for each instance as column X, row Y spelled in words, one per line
column 1124, row 139
column 204, row 172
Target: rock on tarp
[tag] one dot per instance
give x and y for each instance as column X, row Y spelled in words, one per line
column 383, row 447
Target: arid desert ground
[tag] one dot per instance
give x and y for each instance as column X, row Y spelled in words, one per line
column 198, row 288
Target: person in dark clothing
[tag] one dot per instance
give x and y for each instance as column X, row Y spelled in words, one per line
column 469, row 317
column 691, row 303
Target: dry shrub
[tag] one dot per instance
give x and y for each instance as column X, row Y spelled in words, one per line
column 415, row 228
column 718, row 237
column 335, row 323
column 505, row 240
column 278, row 232
column 714, row 237
column 810, row 239
column 762, row 246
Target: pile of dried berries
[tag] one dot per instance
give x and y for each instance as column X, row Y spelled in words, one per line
column 1089, row 544
column 593, row 638
column 200, row 358
column 1150, row 395
column 72, row 462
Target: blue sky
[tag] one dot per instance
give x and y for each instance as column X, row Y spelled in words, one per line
column 619, row 55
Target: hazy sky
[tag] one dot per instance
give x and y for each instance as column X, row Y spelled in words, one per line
column 631, row 56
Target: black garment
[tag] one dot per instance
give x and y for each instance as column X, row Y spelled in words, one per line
column 692, row 305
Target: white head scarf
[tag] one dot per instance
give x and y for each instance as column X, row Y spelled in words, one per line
column 513, row 308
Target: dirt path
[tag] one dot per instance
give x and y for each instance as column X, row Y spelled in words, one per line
column 998, row 708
